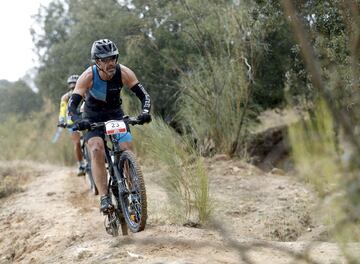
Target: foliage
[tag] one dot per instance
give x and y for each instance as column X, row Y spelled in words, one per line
column 30, row 139
column 314, row 150
column 216, row 102
column 69, row 52
column 216, row 114
column 185, row 178
column 162, row 41
column 327, row 146
column 277, row 55
column 17, row 97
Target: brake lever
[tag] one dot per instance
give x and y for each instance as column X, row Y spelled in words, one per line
column 133, row 121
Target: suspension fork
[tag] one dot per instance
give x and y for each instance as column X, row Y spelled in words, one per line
column 116, row 152
column 110, row 168
column 119, row 175
column 114, row 170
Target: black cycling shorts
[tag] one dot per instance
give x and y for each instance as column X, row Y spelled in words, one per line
column 101, row 117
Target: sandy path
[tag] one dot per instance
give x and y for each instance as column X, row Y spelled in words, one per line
column 56, row 220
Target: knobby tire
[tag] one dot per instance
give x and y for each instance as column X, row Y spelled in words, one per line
column 134, row 217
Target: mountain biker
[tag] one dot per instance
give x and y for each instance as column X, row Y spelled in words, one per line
column 100, row 86
column 75, row 135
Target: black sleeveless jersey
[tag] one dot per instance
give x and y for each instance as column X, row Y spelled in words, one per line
column 104, row 96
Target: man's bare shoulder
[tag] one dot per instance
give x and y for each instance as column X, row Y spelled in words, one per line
column 128, row 76
column 87, row 75
column 84, row 82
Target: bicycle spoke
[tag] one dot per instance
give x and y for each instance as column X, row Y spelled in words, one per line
column 134, row 198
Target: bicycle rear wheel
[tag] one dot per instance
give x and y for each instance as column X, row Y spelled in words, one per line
column 133, row 193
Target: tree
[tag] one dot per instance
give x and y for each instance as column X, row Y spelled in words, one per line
column 69, row 54
column 18, row 99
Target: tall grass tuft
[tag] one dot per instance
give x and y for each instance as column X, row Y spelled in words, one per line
column 216, row 111
column 30, row 138
column 185, row 178
column 314, row 150
column 324, row 165
column 215, row 103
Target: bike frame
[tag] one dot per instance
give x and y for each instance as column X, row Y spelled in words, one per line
column 114, row 173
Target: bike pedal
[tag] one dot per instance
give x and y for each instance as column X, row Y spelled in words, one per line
column 111, row 224
column 107, row 211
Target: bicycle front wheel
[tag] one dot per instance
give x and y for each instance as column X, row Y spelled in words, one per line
column 133, row 193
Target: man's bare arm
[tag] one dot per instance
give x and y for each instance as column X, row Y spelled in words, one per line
column 84, row 82
column 130, row 80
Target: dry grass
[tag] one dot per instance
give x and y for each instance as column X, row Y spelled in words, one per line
column 13, row 175
column 184, row 175
column 30, row 139
column 287, row 227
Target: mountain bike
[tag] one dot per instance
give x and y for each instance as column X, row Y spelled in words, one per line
column 125, row 180
column 88, row 173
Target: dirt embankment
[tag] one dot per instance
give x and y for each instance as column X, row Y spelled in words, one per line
column 258, row 218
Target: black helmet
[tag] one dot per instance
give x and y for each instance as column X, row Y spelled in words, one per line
column 103, row 48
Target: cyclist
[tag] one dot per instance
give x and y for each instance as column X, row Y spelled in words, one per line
column 75, row 135
column 100, row 86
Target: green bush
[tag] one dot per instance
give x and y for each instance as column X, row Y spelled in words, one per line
column 216, row 111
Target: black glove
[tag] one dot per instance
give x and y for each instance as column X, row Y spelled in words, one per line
column 75, row 118
column 81, row 124
column 144, row 118
column 61, row 124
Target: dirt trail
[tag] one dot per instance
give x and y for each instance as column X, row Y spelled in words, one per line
column 56, row 220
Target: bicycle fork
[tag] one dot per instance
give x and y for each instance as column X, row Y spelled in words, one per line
column 114, row 219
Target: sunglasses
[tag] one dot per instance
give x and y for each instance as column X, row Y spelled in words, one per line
column 111, row 58
column 71, row 85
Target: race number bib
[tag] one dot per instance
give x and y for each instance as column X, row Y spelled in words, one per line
column 115, row 127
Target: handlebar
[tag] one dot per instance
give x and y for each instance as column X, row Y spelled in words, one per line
column 128, row 120
column 62, row 125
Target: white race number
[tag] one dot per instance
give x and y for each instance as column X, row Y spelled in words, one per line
column 115, row 127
